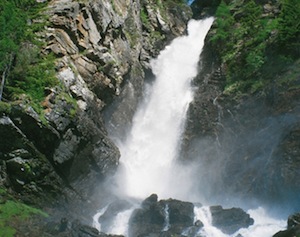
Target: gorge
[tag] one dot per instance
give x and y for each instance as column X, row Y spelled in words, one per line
column 139, row 130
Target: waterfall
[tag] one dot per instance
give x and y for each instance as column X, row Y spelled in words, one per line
column 148, row 155
column 167, row 218
column 149, row 152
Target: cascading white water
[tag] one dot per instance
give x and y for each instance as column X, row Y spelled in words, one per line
column 264, row 226
column 148, row 154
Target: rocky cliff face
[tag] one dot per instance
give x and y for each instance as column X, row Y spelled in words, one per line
column 102, row 51
column 248, row 143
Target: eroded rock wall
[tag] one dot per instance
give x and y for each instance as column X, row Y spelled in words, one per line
column 245, row 145
column 102, row 51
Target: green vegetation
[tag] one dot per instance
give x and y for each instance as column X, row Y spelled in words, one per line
column 170, row 3
column 289, row 27
column 5, row 108
column 13, row 212
column 145, row 19
column 251, row 44
column 71, row 102
column 23, row 68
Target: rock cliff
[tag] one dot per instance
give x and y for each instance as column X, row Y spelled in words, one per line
column 102, row 51
column 247, row 141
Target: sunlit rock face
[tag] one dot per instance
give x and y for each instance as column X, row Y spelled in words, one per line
column 102, row 50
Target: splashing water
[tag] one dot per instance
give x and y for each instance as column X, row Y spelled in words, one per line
column 264, row 226
column 148, row 154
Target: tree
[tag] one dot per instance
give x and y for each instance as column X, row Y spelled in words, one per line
column 289, row 26
column 225, row 22
column 13, row 26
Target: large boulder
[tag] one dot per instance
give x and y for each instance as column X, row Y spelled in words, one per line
column 161, row 218
column 293, row 227
column 75, row 228
column 24, row 168
column 230, row 220
column 112, row 210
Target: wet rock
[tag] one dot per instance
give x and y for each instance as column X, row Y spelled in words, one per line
column 180, row 214
column 295, row 231
column 148, row 220
column 202, row 8
column 111, row 212
column 293, row 227
column 161, row 218
column 73, row 228
column 293, row 220
column 222, row 135
column 150, row 201
column 230, row 220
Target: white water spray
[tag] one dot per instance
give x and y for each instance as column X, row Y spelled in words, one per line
column 264, row 226
column 148, row 155
column 150, row 150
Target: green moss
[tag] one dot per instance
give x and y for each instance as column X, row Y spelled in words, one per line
column 145, row 19
column 13, row 211
column 31, row 71
column 5, row 108
column 71, row 103
column 290, row 79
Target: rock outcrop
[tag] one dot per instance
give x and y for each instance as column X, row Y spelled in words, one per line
column 102, row 51
column 249, row 141
column 230, row 220
column 293, row 227
column 176, row 218
column 161, row 218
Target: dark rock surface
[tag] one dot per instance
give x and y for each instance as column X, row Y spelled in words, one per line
column 234, row 134
column 202, row 8
column 230, row 220
column 61, row 155
column 106, row 219
column 293, row 227
column 176, row 218
column 161, row 218
column 74, row 228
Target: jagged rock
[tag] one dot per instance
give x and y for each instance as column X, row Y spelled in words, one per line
column 112, row 210
column 293, row 227
column 181, row 214
column 102, row 50
column 24, row 167
column 202, row 8
column 222, row 135
column 288, row 233
column 148, row 219
column 28, row 121
column 161, row 218
column 230, row 220
column 293, row 220
column 11, row 137
column 72, row 228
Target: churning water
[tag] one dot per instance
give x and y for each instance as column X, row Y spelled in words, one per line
column 148, row 156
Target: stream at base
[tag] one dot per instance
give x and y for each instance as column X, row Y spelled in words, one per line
column 148, row 155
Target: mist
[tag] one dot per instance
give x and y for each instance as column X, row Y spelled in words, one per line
column 244, row 164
